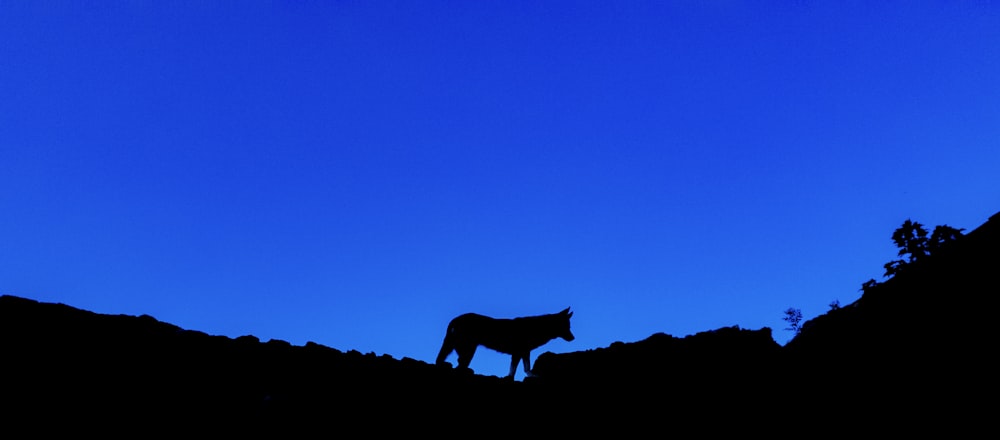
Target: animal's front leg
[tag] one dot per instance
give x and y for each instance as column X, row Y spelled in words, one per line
column 513, row 365
column 527, row 365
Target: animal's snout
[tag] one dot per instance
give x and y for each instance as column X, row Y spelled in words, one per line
column 569, row 336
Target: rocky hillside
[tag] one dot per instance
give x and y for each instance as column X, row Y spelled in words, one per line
column 912, row 353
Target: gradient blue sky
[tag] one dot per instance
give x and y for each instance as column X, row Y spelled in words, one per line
column 357, row 173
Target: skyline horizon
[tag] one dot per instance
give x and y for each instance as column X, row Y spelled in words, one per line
column 358, row 174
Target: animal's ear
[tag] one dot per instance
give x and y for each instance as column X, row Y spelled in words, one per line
column 567, row 312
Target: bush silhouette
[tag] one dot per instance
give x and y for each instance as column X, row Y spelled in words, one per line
column 794, row 318
column 915, row 245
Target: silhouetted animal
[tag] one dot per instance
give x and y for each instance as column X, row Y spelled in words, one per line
column 516, row 337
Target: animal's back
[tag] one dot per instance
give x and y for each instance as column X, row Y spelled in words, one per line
column 475, row 328
column 504, row 335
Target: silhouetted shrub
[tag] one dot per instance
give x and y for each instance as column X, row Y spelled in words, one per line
column 793, row 317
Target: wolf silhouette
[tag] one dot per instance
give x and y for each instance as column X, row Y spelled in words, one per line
column 516, row 337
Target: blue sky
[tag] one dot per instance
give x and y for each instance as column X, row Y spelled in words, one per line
column 358, row 173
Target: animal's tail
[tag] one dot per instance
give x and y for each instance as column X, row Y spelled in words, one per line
column 446, row 347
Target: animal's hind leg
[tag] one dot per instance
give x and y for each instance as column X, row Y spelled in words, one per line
column 527, row 366
column 465, row 354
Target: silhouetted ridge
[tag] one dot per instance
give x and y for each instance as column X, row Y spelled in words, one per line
column 662, row 357
column 913, row 353
column 62, row 360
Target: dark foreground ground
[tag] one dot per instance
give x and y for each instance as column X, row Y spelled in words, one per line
column 913, row 355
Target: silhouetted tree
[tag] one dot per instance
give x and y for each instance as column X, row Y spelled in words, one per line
column 911, row 238
column 793, row 317
column 942, row 235
column 914, row 244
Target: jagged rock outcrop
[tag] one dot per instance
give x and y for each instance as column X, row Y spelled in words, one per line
column 732, row 354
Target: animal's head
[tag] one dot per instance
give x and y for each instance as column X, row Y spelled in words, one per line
column 564, row 332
